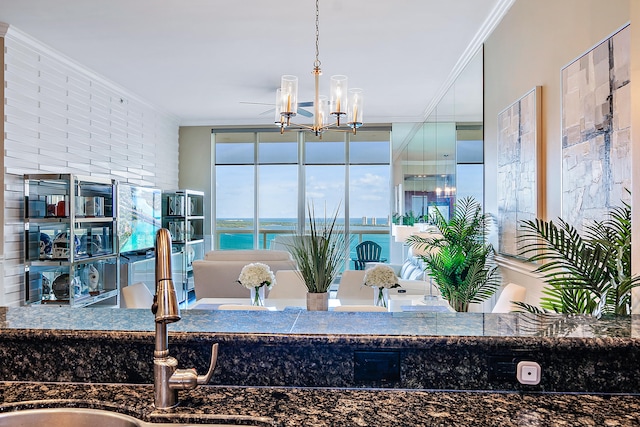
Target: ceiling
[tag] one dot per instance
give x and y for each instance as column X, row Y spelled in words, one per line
column 202, row 60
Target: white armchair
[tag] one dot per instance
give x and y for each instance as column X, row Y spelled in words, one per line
column 352, row 289
column 510, row 294
column 136, row 295
column 289, row 285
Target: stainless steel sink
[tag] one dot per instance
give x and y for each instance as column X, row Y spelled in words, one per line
column 78, row 417
column 72, row 417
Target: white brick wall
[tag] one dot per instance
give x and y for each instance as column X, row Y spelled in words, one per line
column 63, row 118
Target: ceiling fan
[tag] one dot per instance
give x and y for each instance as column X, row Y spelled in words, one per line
column 301, row 111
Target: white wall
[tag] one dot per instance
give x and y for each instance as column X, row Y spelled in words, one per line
column 196, row 149
column 529, row 47
column 635, row 150
column 60, row 117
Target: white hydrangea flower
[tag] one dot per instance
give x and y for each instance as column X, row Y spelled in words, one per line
column 256, row 275
column 381, row 276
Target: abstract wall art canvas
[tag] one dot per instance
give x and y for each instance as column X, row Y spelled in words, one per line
column 518, row 156
column 596, row 131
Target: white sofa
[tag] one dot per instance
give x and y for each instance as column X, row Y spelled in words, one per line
column 216, row 275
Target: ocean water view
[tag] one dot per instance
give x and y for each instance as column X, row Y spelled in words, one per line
column 237, row 233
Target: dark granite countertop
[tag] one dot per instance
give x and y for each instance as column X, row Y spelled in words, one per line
column 278, row 406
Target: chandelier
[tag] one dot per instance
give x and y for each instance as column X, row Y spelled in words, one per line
column 343, row 102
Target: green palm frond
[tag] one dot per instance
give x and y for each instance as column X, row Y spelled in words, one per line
column 463, row 267
column 585, row 275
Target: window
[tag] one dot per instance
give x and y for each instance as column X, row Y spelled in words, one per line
column 235, row 190
column 470, row 162
column 262, row 189
column 326, row 151
column 369, row 190
column 234, row 206
column 277, row 186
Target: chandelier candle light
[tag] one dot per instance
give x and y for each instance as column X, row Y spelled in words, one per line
column 256, row 277
column 340, row 96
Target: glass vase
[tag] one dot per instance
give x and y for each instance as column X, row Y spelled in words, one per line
column 257, row 295
column 380, row 296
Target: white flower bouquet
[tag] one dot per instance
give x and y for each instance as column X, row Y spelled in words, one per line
column 256, row 275
column 381, row 276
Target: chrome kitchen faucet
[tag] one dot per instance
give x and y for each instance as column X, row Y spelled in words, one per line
column 167, row 378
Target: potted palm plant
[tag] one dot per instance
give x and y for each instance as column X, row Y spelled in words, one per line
column 320, row 253
column 460, row 260
column 588, row 274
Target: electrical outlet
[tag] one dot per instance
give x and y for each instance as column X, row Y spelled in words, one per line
column 501, row 367
column 376, row 366
column 528, row 372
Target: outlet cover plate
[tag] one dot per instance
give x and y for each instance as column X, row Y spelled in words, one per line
column 528, row 372
column 376, row 366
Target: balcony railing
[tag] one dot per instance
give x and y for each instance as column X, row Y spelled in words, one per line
column 230, row 239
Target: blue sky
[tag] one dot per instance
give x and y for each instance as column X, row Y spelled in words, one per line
column 369, row 190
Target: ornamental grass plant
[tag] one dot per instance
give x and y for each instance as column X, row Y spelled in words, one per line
column 320, row 252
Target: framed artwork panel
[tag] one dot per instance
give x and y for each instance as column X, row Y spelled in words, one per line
column 596, row 131
column 518, row 156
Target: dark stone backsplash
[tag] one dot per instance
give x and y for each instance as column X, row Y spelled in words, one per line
column 445, row 363
column 327, row 359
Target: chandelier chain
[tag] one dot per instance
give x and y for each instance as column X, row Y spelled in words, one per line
column 337, row 106
column 316, row 63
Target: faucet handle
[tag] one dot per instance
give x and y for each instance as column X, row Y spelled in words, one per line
column 204, row 379
column 188, row 379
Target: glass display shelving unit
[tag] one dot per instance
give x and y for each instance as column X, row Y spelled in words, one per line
column 183, row 216
column 71, row 255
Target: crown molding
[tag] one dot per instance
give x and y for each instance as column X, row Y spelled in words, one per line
column 495, row 16
column 4, row 27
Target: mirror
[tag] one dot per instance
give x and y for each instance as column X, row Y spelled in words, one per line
column 442, row 158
